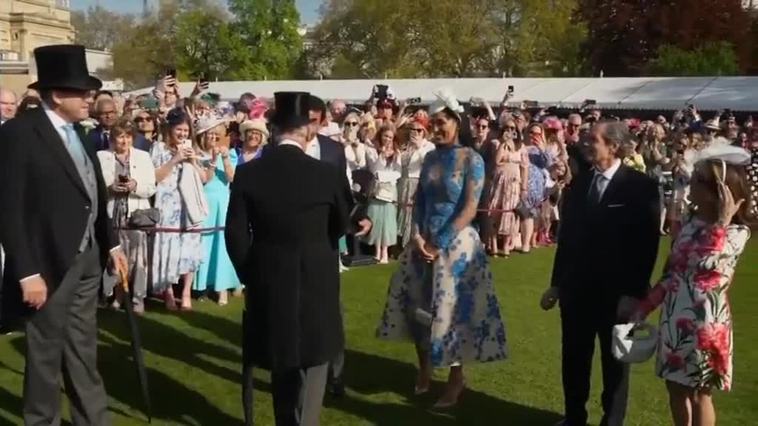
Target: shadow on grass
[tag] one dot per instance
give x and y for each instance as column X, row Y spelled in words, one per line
column 166, row 341
column 368, row 374
column 10, row 403
column 171, row 400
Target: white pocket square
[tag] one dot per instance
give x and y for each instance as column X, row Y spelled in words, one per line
column 615, row 206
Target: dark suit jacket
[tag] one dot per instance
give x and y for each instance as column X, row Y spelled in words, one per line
column 608, row 250
column 96, row 139
column 333, row 152
column 45, row 204
column 286, row 214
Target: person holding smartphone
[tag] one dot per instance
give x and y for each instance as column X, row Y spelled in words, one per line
column 216, row 273
column 176, row 255
column 130, row 177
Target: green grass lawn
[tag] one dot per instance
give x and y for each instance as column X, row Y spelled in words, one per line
column 193, row 362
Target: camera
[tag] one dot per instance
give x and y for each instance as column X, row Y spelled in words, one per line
column 412, row 101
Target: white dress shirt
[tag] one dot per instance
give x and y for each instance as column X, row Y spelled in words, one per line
column 602, row 179
column 313, row 148
column 290, row 142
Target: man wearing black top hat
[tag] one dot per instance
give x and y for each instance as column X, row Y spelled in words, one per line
column 282, row 239
column 57, row 237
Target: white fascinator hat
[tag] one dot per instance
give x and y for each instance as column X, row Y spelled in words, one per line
column 446, row 99
column 721, row 149
column 631, row 346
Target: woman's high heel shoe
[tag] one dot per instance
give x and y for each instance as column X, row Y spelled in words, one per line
column 448, row 400
column 423, row 383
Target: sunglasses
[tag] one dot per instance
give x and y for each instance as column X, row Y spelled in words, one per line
column 510, row 127
column 535, row 133
column 351, row 123
column 143, row 119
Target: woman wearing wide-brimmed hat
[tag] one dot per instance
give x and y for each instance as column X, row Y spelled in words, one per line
column 216, row 272
column 254, row 135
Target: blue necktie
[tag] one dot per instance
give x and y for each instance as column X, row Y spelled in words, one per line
column 75, row 148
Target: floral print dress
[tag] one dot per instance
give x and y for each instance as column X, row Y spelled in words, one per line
column 695, row 347
column 174, row 254
column 448, row 307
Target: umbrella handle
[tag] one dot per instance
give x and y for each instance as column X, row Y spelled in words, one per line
column 124, row 281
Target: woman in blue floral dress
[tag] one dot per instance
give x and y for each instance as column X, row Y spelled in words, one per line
column 442, row 296
column 176, row 256
column 539, row 161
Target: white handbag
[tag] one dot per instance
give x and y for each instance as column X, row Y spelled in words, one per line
column 630, row 346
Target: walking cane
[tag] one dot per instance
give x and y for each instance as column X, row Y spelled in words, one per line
column 136, row 345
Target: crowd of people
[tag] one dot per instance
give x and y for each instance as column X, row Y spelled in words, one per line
column 449, row 186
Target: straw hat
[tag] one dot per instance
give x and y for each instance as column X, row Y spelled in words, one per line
column 208, row 123
column 258, row 125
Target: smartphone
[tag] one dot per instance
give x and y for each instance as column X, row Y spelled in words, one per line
column 381, row 91
column 203, row 81
column 171, row 72
column 123, row 178
column 510, row 90
column 412, row 101
column 205, row 163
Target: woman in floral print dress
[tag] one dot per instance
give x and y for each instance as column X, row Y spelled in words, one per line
column 442, row 296
column 695, row 347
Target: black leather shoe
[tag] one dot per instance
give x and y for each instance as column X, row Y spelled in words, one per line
column 336, row 388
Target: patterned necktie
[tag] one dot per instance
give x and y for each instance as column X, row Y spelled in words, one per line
column 75, row 148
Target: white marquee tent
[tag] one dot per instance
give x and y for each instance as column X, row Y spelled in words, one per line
column 660, row 93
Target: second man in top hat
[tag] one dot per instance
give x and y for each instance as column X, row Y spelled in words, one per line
column 282, row 238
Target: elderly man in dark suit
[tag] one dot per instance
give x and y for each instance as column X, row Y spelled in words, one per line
column 607, row 249
column 57, row 236
column 282, row 239
column 107, row 115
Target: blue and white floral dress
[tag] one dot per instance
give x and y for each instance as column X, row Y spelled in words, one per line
column 448, row 307
column 174, row 254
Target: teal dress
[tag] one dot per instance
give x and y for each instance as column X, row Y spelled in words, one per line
column 448, row 307
column 216, row 272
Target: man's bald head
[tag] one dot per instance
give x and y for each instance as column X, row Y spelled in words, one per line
column 8, row 104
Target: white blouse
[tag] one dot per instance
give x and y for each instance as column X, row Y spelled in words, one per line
column 379, row 166
column 356, row 156
column 413, row 158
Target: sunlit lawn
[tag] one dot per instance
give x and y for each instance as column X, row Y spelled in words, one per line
column 194, row 358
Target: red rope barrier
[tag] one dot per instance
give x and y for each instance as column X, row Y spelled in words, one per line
column 172, row 230
column 159, row 230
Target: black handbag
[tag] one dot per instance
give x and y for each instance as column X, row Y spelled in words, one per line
column 522, row 210
column 145, row 218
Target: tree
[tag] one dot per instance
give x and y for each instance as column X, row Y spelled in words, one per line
column 625, row 35
column 710, row 59
column 207, row 46
column 270, row 30
column 425, row 38
column 100, row 29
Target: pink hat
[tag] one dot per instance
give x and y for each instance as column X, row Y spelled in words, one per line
column 258, row 108
column 553, row 123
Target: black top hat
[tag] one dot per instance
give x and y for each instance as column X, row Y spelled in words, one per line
column 291, row 109
column 63, row 66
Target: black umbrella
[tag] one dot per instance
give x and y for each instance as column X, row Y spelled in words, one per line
column 136, row 345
